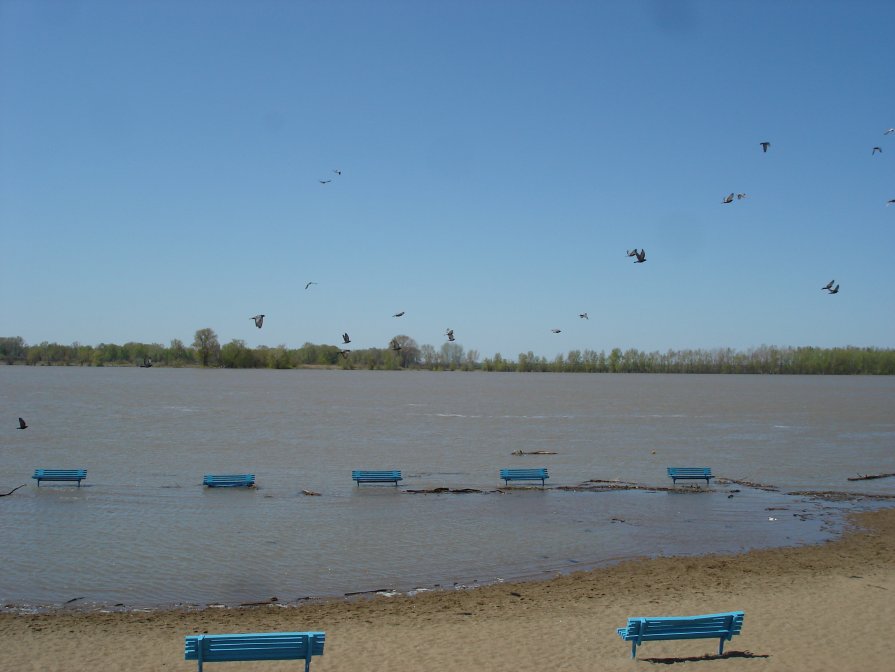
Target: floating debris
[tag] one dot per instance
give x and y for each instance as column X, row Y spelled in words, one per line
column 749, row 484
column 263, row 603
column 870, row 477
column 834, row 496
column 533, row 452
column 310, row 493
column 443, row 490
column 377, row 591
column 6, row 494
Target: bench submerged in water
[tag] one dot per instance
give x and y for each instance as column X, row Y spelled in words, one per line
column 229, row 480
column 362, row 476
column 708, row 626
column 257, row 646
column 692, row 473
column 524, row 475
column 60, row 475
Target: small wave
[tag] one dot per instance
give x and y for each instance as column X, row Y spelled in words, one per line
column 453, row 415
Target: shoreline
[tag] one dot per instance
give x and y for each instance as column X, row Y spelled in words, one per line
column 806, row 609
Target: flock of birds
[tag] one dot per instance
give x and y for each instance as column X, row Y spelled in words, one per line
column 830, row 287
column 639, row 256
column 328, row 180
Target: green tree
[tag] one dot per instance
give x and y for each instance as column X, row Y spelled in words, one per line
column 207, row 346
column 12, row 349
column 409, row 354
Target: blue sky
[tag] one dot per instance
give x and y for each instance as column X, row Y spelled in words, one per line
column 160, row 166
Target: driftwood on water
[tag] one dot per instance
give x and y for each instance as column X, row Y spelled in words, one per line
column 869, row 477
column 442, row 490
column 5, row 494
column 533, row 452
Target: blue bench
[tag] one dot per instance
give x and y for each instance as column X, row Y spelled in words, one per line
column 376, row 477
column 60, row 475
column 524, row 475
column 694, row 473
column 229, row 480
column 260, row 646
column 708, row 626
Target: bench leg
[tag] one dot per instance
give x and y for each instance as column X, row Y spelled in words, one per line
column 721, row 647
column 633, row 648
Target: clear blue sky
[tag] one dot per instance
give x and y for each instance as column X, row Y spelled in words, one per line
column 159, row 167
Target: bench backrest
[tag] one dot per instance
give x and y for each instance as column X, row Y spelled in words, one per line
column 690, row 472
column 653, row 628
column 60, row 474
column 524, row 474
column 228, row 480
column 255, row 646
column 360, row 475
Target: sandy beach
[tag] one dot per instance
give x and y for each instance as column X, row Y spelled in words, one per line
column 806, row 608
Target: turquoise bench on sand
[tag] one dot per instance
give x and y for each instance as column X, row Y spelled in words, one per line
column 694, row 473
column 229, row 480
column 708, row 626
column 524, row 475
column 362, row 476
column 259, row 646
column 60, row 475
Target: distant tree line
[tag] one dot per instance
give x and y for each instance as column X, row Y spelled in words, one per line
column 206, row 351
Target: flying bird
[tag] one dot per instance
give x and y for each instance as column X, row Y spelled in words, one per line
column 728, row 199
column 337, row 171
column 891, row 201
column 829, row 285
column 875, row 150
column 394, row 345
column 22, row 424
column 344, row 353
column 259, row 320
column 834, row 290
column 889, row 131
column 764, row 146
column 345, row 338
column 401, row 314
column 632, row 253
column 324, row 181
column 450, row 334
column 556, row 331
column 308, row 284
column 742, row 196
column 583, row 316
column 641, row 257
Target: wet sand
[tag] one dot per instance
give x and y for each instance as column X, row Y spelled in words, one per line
column 825, row 607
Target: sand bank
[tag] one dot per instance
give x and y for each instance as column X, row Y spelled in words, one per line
column 826, row 607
